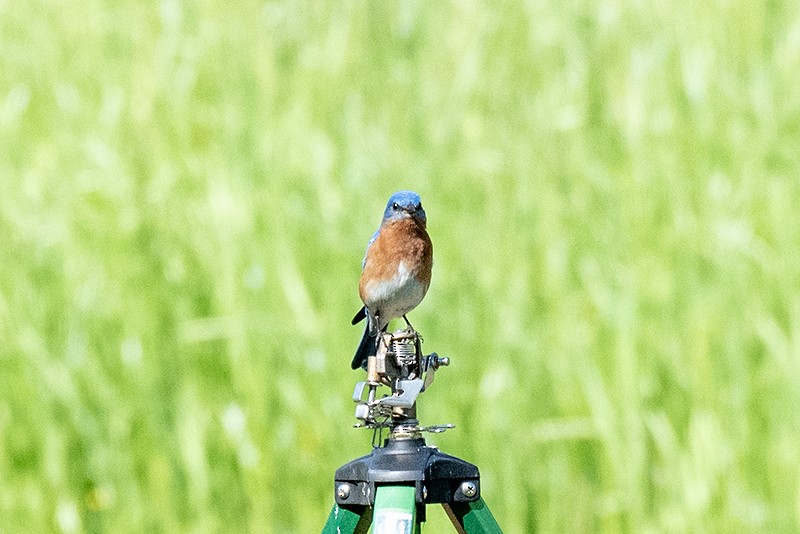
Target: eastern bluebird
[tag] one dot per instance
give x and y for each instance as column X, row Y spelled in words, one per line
column 396, row 270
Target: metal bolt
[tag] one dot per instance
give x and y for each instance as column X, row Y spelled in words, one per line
column 343, row 491
column 469, row 489
column 437, row 361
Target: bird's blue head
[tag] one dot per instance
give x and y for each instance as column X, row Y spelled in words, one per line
column 404, row 204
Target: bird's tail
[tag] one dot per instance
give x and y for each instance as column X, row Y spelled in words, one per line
column 367, row 347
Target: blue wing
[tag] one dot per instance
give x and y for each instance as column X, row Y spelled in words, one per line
column 362, row 313
column 371, row 240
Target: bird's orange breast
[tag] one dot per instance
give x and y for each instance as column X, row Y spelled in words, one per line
column 400, row 245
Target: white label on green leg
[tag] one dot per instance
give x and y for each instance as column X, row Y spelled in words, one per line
column 392, row 522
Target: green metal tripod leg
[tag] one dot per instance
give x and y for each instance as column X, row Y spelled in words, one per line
column 472, row 517
column 348, row 521
column 395, row 510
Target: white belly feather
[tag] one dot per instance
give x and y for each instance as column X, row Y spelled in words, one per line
column 397, row 296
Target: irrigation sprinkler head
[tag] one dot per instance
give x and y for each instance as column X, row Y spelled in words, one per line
column 399, row 365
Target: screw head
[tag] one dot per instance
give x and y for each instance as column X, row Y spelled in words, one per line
column 343, row 491
column 469, row 489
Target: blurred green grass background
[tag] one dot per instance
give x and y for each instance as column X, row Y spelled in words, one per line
column 186, row 191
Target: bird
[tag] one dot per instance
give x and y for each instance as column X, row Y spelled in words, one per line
column 396, row 270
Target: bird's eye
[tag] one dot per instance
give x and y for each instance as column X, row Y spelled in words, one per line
column 395, row 206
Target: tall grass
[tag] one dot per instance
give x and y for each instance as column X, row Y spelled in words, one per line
column 186, row 190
